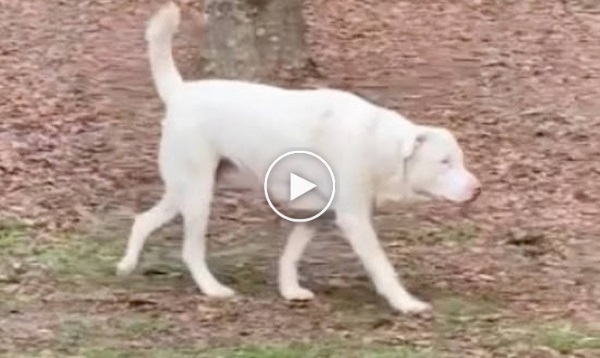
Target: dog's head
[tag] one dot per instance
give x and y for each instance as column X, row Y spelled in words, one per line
column 430, row 165
column 435, row 167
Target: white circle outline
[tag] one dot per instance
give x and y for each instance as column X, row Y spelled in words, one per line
column 273, row 206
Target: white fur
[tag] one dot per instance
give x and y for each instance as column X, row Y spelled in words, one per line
column 375, row 153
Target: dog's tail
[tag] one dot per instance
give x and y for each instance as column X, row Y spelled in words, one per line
column 159, row 33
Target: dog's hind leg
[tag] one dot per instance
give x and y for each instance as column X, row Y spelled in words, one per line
column 144, row 224
column 195, row 211
column 289, row 287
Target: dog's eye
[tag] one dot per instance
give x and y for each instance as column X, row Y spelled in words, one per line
column 446, row 161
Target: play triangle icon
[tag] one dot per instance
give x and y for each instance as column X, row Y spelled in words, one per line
column 299, row 186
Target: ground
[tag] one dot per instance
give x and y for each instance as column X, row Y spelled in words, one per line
column 515, row 275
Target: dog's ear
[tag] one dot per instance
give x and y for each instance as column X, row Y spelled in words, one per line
column 399, row 136
column 412, row 142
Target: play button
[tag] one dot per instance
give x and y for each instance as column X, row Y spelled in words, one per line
column 297, row 183
column 299, row 186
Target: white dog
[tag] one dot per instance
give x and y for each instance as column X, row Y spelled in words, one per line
column 376, row 154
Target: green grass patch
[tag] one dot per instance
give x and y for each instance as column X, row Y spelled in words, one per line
column 13, row 239
column 87, row 262
column 565, row 338
column 458, row 234
column 247, row 278
column 15, row 246
column 76, row 258
column 73, row 333
column 495, row 333
column 458, row 313
column 142, row 325
column 80, row 259
column 77, row 333
column 71, row 256
column 289, row 351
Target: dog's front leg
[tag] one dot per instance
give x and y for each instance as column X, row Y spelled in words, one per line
column 362, row 237
column 289, row 287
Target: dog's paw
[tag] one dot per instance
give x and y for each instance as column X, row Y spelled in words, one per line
column 411, row 306
column 220, row 291
column 297, row 294
column 126, row 266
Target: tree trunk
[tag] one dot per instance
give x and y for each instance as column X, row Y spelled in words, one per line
column 254, row 39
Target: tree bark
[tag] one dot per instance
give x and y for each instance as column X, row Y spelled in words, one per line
column 254, row 39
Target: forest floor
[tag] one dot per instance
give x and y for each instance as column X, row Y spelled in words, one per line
column 514, row 276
